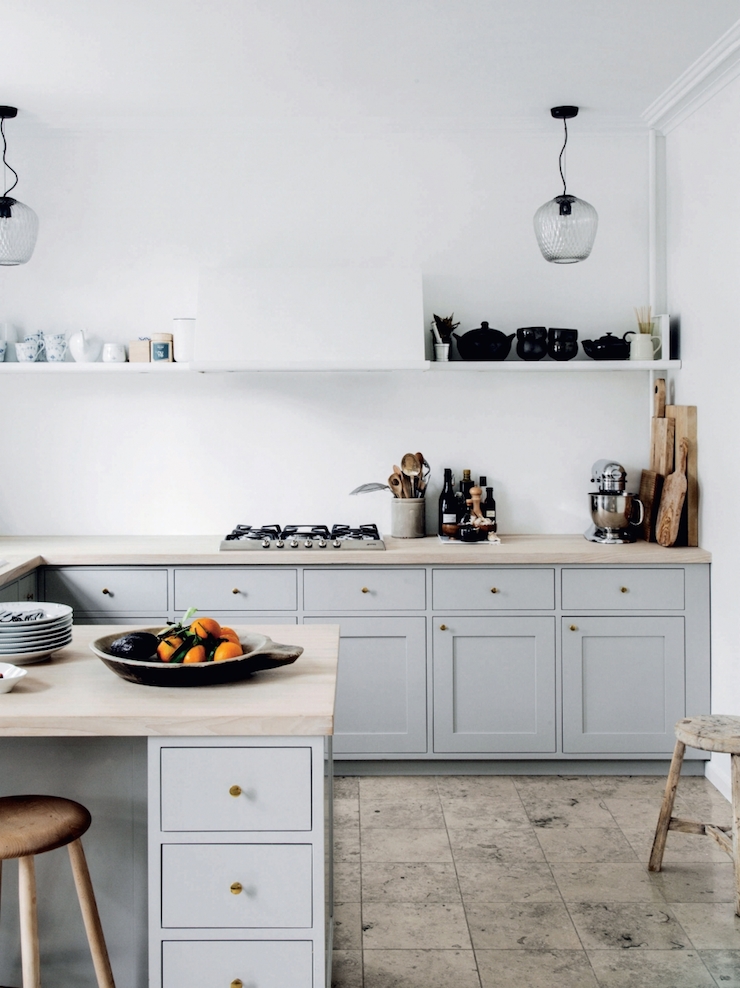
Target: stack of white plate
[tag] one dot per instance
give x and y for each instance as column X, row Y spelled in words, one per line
column 31, row 640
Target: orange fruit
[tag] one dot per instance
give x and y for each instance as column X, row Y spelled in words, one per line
column 227, row 650
column 196, row 654
column 230, row 634
column 205, row 626
column 167, row 647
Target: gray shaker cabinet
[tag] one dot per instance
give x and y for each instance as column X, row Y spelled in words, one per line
column 494, row 684
column 381, row 701
column 623, row 683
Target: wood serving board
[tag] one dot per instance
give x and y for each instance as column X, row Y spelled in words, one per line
column 685, row 419
column 651, row 485
column 672, row 500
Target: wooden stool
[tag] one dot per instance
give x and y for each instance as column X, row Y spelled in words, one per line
column 710, row 733
column 31, row 825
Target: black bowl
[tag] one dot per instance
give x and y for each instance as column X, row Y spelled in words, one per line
column 260, row 651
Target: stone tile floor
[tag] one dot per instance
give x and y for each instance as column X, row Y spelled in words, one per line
column 528, row 881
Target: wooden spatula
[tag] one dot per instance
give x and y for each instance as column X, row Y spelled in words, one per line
column 671, row 501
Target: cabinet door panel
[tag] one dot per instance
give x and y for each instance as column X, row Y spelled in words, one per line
column 623, row 683
column 381, row 701
column 256, row 963
column 197, row 881
column 494, row 684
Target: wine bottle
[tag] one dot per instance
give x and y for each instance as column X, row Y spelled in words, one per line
column 489, row 508
column 448, row 507
column 465, row 484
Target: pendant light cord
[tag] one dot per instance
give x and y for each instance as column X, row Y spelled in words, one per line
column 5, row 163
column 560, row 159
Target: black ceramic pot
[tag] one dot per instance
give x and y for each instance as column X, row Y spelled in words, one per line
column 531, row 342
column 484, row 343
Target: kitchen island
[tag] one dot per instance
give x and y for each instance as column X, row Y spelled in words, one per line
column 238, row 810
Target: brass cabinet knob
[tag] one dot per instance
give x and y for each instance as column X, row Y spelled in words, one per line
column 107, row 591
column 235, row 791
column 237, row 983
column 235, row 888
column 574, row 627
column 624, row 589
column 236, row 590
column 495, row 590
column 443, row 627
column 366, row 589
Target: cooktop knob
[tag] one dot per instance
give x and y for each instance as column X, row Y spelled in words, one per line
column 307, row 544
column 337, row 544
column 265, row 543
column 279, row 544
column 294, row 543
column 322, row 543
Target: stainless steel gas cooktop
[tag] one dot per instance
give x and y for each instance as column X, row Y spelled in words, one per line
column 248, row 538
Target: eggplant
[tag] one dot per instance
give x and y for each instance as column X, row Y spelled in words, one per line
column 141, row 645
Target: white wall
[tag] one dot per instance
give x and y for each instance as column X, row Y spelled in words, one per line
column 703, row 164
column 128, row 218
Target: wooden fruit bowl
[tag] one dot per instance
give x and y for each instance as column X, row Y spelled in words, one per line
column 260, row 652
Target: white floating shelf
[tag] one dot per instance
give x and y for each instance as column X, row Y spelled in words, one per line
column 95, row 367
column 552, row 366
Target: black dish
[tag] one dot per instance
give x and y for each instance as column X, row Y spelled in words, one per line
column 261, row 652
column 484, row 343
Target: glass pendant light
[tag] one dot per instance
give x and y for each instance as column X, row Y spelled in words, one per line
column 19, row 225
column 565, row 226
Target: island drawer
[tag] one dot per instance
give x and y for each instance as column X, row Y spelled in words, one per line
column 640, row 589
column 236, row 589
column 494, row 588
column 235, row 788
column 108, row 591
column 364, row 590
column 254, row 963
column 236, row 886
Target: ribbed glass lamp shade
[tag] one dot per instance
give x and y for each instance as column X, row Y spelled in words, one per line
column 19, row 227
column 566, row 229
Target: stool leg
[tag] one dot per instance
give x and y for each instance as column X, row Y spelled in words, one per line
column 735, row 763
column 89, row 908
column 29, row 923
column 666, row 810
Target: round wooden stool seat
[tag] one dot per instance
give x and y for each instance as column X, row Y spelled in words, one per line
column 712, row 732
column 34, row 824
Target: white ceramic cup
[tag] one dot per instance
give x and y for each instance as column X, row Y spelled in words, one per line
column 3, row 348
column 27, row 351
column 55, row 345
column 642, row 346
column 114, row 353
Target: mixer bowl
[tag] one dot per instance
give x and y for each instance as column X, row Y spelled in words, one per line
column 615, row 511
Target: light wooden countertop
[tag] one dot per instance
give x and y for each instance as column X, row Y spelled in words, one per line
column 22, row 554
column 74, row 694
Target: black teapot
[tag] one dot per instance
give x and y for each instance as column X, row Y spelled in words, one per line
column 531, row 342
column 607, row 348
column 484, row 343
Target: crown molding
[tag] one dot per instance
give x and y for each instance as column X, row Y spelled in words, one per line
column 710, row 73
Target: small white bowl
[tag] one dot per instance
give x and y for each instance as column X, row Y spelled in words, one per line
column 11, row 676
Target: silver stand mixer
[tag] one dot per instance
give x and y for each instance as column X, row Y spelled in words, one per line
column 612, row 509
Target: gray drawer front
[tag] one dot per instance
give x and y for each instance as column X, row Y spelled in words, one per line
column 276, row 886
column 364, row 590
column 236, row 589
column 497, row 589
column 104, row 591
column 640, row 589
column 217, row 964
column 275, row 788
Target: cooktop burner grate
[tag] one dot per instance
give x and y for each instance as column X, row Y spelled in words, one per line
column 246, row 538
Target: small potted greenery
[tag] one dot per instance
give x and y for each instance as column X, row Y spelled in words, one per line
column 442, row 330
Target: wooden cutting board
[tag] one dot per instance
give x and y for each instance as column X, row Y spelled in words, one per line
column 651, row 485
column 672, row 500
column 685, row 418
column 662, row 433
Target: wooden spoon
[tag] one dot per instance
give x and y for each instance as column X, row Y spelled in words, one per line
column 395, row 484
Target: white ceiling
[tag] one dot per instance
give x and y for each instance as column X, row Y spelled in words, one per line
column 421, row 63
